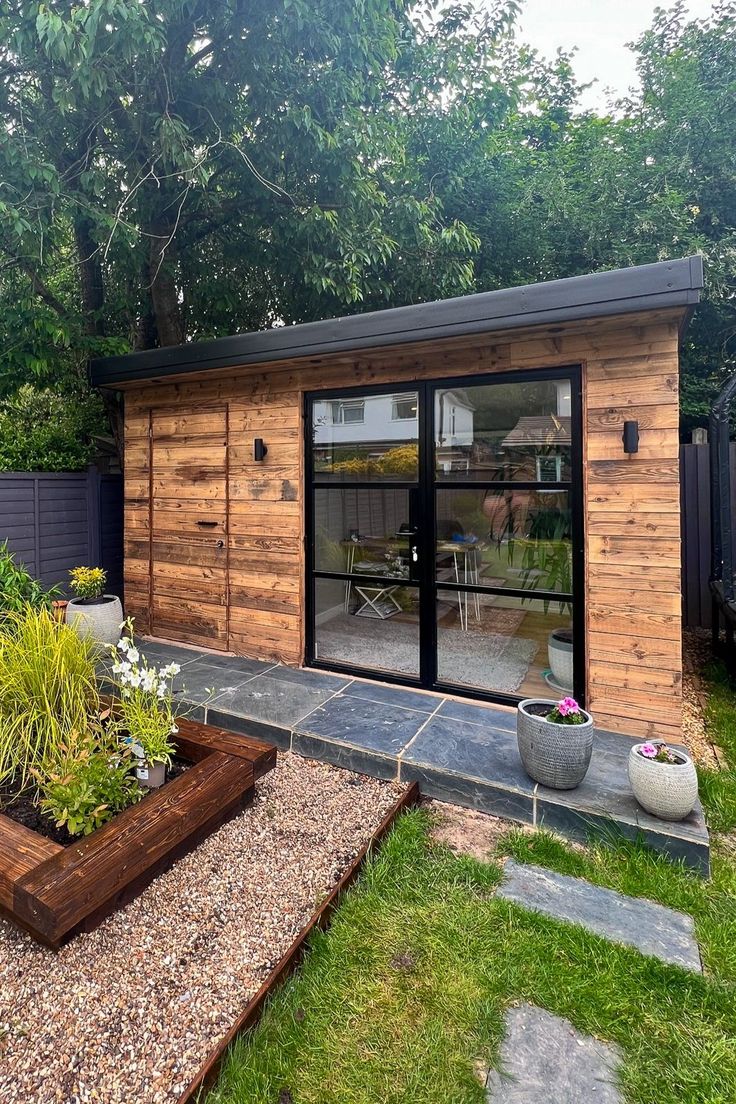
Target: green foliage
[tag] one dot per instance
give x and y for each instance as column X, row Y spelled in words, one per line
column 89, row 784
column 88, row 582
column 189, row 169
column 48, row 690
column 18, row 588
column 718, row 787
column 144, row 707
column 45, row 430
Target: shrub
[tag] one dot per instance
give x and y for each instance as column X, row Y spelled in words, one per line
column 18, row 588
column 48, row 689
column 91, row 782
column 44, row 430
column 88, row 582
column 145, row 710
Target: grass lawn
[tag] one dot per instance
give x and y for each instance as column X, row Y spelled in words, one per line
column 403, row 999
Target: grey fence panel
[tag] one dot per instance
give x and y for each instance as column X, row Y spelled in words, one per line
column 696, row 544
column 54, row 521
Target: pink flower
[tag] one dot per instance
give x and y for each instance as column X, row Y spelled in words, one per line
column 567, row 706
column 649, row 751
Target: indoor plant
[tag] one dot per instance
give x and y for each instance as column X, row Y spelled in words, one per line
column 144, row 713
column 663, row 779
column 555, row 741
column 92, row 612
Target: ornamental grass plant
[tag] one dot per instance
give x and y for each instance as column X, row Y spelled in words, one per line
column 48, row 690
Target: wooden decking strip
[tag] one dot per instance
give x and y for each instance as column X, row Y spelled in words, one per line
column 289, row 962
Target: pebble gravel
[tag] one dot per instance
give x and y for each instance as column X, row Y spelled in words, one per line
column 127, row 1014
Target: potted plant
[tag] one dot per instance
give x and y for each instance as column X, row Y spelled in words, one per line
column 145, row 715
column 92, row 612
column 663, row 779
column 555, row 741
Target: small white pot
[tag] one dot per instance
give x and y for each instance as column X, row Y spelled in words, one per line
column 98, row 620
column 151, row 775
column 666, row 790
column 560, row 654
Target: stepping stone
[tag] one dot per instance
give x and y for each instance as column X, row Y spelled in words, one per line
column 651, row 928
column 544, row 1060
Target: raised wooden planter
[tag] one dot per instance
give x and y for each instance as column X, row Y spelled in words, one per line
column 54, row 892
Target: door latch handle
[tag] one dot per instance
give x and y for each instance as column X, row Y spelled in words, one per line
column 414, row 554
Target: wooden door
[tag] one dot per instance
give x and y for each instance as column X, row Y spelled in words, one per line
column 189, row 525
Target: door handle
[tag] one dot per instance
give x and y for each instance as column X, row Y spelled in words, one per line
column 207, row 524
column 414, row 554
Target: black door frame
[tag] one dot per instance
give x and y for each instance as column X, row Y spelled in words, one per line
column 421, row 493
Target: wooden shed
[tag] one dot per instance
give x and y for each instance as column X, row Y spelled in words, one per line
column 478, row 495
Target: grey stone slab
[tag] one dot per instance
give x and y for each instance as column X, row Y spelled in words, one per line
column 545, row 1060
column 160, row 654
column 246, row 726
column 469, row 792
column 200, row 683
column 271, row 700
column 365, row 724
column 303, row 676
column 487, row 754
column 651, row 928
column 489, row 716
column 232, row 666
column 342, row 755
column 394, row 695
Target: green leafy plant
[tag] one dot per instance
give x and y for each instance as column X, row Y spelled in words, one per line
column 48, row 689
column 91, row 782
column 49, row 429
column 145, row 710
column 88, row 582
column 18, row 588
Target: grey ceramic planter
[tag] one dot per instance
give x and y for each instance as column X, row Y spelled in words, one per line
column 99, row 621
column 554, row 755
column 666, row 790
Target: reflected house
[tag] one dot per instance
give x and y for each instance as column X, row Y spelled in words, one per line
column 368, row 426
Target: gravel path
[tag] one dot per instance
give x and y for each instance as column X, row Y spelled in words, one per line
column 129, row 1012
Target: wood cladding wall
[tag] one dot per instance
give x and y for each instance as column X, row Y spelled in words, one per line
column 204, row 470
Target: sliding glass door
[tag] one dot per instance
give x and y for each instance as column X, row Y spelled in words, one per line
column 445, row 534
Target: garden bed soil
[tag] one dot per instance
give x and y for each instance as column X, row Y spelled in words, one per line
column 20, row 805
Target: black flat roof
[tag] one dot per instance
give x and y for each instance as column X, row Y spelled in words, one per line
column 621, row 291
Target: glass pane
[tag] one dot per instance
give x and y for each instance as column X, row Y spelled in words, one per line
column 501, row 644
column 363, row 530
column 504, row 431
column 369, row 625
column 370, row 437
column 515, row 538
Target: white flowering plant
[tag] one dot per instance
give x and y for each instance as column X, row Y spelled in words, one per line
column 144, row 711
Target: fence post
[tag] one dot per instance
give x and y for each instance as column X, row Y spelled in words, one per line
column 93, row 516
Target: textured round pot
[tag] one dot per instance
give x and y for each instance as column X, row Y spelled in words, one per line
column 559, row 650
column 151, row 775
column 554, row 755
column 98, row 618
column 666, row 790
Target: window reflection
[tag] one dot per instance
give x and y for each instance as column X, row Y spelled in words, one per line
column 504, row 432
column 366, row 437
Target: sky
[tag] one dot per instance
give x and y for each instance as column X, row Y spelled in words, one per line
column 600, row 29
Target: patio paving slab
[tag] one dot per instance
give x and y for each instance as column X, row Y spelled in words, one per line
column 274, row 700
column 458, row 750
column 364, row 724
column 651, row 928
column 545, row 1060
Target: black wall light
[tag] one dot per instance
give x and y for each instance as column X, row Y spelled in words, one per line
column 631, row 437
column 259, row 449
